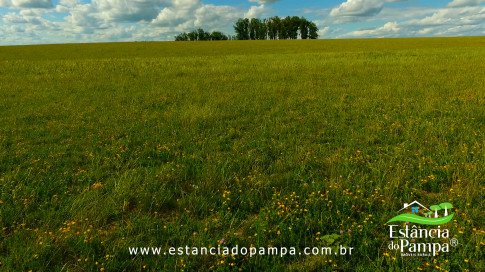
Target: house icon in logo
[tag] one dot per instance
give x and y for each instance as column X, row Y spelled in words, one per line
column 416, row 212
column 414, row 207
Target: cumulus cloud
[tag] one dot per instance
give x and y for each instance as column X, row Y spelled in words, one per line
column 441, row 22
column 32, row 12
column 412, row 12
column 29, row 24
column 131, row 20
column 62, row 9
column 212, row 16
column 84, row 17
column 177, row 14
column 69, row 3
column 26, row 3
column 426, row 31
column 258, row 12
column 118, row 33
column 198, row 15
column 170, row 17
column 452, row 16
column 464, row 3
column 323, row 32
column 31, row 17
column 14, row 18
column 27, row 21
column 390, row 29
column 264, row 2
column 356, row 8
column 129, row 11
column 461, row 30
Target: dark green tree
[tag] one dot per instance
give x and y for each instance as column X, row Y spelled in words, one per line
column 253, row 28
column 202, row 35
column 182, row 37
column 304, row 25
column 274, row 25
column 283, row 28
column 293, row 26
column 218, row 36
column 262, row 33
column 192, row 35
column 275, row 28
column 312, row 31
column 242, row 29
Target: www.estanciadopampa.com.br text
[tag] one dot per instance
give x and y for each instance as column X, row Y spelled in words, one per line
column 236, row 250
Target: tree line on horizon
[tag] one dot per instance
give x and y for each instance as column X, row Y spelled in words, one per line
column 201, row 35
column 274, row 28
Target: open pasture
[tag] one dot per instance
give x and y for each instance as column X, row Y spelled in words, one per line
column 266, row 143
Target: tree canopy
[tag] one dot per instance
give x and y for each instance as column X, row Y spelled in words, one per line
column 435, row 208
column 275, row 28
column 201, row 35
column 446, row 206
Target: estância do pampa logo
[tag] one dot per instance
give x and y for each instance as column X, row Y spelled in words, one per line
column 425, row 237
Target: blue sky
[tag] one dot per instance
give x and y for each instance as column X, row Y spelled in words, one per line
column 71, row 21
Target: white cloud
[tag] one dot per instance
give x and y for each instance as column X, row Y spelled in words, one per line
column 170, row 17
column 84, row 17
column 205, row 16
column 32, row 12
column 62, row 9
column 264, row 2
column 358, row 8
column 26, row 3
column 441, row 22
column 258, row 12
column 464, row 3
column 103, row 20
column 129, row 11
column 389, row 14
column 462, row 29
column 69, row 3
column 14, row 18
column 425, row 31
column 125, row 20
column 31, row 17
column 452, row 16
column 323, row 32
column 33, row 3
column 118, row 33
column 390, row 29
column 212, row 16
column 27, row 23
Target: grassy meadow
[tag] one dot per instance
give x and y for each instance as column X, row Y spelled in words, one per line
column 283, row 143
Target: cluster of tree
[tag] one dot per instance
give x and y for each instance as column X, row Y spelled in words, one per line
column 436, row 208
column 201, row 35
column 275, row 28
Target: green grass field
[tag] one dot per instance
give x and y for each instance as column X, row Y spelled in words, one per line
column 266, row 143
